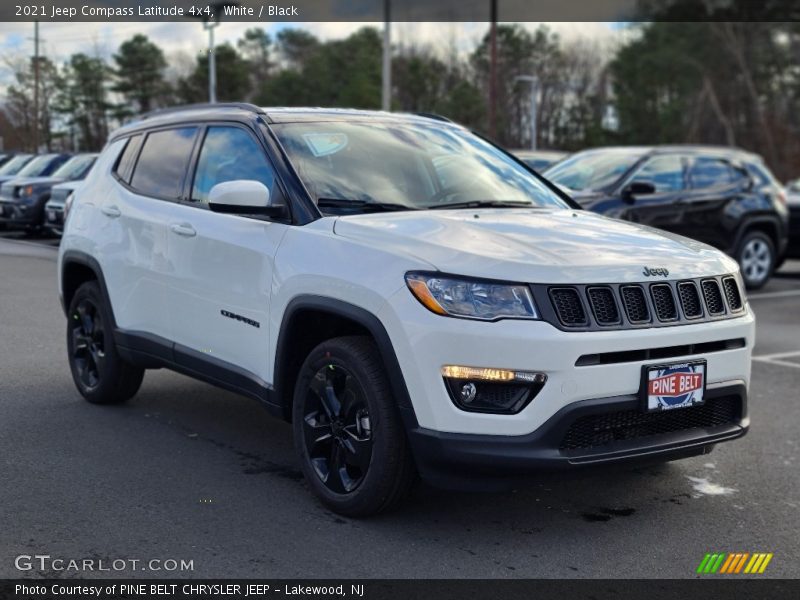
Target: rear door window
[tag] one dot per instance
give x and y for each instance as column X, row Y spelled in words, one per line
column 163, row 161
column 711, row 172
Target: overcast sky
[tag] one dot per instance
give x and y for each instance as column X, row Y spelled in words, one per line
column 182, row 41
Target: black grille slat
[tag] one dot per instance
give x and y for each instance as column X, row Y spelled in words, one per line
column 642, row 304
column 633, row 298
column 593, row 432
column 732, row 294
column 690, row 300
column 664, row 302
column 604, row 306
column 569, row 307
column 713, row 297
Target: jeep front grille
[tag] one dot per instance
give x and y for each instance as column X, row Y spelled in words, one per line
column 603, row 304
column 639, row 305
column 568, row 306
column 664, row 301
column 633, row 298
column 732, row 294
column 690, row 300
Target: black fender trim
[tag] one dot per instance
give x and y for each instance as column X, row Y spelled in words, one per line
column 364, row 318
column 86, row 260
column 747, row 224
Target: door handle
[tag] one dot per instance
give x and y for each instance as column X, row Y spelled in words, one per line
column 183, row 229
column 111, row 211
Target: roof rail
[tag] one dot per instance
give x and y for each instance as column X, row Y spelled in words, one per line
column 430, row 115
column 172, row 109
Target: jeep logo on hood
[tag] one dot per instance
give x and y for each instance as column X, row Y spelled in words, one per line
column 655, row 272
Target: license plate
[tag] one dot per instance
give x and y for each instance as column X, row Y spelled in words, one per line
column 51, row 215
column 674, row 386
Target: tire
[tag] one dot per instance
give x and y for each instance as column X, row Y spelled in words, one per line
column 756, row 258
column 99, row 373
column 347, row 430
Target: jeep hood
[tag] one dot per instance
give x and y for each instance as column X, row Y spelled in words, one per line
column 22, row 181
column 38, row 182
column 534, row 245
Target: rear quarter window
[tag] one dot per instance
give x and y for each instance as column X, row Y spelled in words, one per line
column 127, row 159
column 163, row 160
column 709, row 172
column 761, row 174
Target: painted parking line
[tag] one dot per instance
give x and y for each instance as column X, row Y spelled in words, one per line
column 44, row 245
column 777, row 359
column 783, row 294
column 779, row 354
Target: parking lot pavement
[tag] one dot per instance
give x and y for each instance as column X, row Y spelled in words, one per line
column 186, row 471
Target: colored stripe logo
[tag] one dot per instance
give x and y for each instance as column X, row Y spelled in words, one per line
column 734, row 563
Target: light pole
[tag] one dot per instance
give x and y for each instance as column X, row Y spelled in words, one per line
column 534, row 83
column 386, row 83
column 210, row 21
column 209, row 26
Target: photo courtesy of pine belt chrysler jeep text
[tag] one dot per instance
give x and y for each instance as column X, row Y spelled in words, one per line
column 413, row 299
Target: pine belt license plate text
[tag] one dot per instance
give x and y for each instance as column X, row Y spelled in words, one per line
column 669, row 387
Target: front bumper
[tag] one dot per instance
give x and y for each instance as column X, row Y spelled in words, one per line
column 423, row 342
column 587, row 433
column 54, row 218
column 13, row 213
column 793, row 249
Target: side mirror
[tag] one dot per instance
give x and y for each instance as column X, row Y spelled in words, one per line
column 637, row 188
column 242, row 197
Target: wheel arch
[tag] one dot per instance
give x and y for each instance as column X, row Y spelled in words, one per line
column 767, row 225
column 309, row 320
column 76, row 269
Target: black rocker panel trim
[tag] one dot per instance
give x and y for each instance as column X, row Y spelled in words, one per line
column 151, row 352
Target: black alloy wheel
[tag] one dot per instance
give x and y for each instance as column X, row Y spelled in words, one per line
column 99, row 373
column 88, row 343
column 337, row 430
column 348, row 430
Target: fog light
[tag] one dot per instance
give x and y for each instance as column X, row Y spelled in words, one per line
column 468, row 392
column 501, row 391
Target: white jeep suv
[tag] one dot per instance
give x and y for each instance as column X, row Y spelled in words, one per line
column 412, row 298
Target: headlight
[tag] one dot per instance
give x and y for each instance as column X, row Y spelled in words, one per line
column 472, row 299
column 26, row 191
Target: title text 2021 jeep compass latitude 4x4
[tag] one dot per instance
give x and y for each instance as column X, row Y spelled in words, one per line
column 410, row 297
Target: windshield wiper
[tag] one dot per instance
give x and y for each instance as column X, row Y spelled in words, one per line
column 485, row 204
column 362, row 205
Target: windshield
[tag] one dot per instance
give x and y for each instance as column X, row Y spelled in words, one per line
column 13, row 166
column 76, row 167
column 404, row 165
column 37, row 166
column 592, row 170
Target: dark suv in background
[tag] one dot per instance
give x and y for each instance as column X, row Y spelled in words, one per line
column 724, row 197
column 22, row 199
